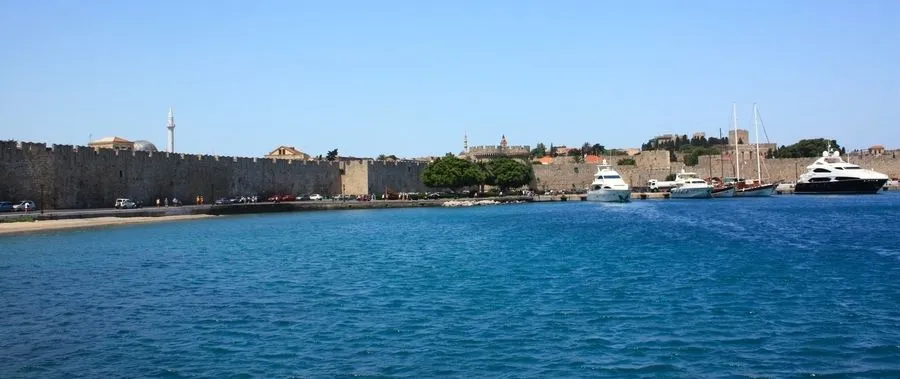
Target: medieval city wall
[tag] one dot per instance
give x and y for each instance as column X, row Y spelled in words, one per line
column 82, row 177
column 395, row 176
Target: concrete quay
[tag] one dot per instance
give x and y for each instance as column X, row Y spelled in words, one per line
column 583, row 197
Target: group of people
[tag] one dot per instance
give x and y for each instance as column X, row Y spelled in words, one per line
column 165, row 202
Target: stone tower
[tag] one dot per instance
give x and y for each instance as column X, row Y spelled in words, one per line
column 171, row 126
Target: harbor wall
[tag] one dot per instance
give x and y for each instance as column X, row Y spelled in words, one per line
column 570, row 175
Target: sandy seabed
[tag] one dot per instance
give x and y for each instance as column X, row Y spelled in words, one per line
column 40, row 226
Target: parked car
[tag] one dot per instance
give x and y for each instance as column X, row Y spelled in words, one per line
column 277, row 198
column 6, row 206
column 302, row 197
column 224, row 200
column 125, row 203
column 24, row 205
column 316, row 196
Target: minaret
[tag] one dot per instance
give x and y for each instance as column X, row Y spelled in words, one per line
column 171, row 127
column 465, row 142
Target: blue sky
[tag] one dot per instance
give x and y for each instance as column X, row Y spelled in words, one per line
column 410, row 77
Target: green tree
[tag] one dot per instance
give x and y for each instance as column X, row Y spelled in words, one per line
column 670, row 177
column 626, row 162
column 539, row 151
column 578, row 158
column 586, row 148
column 331, row 155
column 806, row 148
column 598, row 149
column 506, row 173
column 452, row 172
column 692, row 155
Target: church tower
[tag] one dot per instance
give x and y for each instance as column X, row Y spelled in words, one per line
column 171, row 127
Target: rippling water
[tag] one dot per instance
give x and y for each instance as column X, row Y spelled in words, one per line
column 786, row 286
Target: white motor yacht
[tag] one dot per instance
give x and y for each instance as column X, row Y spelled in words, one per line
column 832, row 175
column 690, row 186
column 608, row 186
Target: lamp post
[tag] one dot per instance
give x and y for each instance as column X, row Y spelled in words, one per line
column 42, row 199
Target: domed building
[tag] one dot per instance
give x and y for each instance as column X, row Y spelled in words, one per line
column 144, row 145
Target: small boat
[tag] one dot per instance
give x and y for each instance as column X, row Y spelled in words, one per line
column 755, row 189
column 690, row 186
column 832, row 175
column 608, row 185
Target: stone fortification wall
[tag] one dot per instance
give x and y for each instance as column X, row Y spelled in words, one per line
column 376, row 177
column 354, row 177
column 787, row 169
column 568, row 175
column 81, row 177
column 397, row 176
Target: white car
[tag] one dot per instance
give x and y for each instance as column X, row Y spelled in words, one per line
column 124, row 203
column 24, row 205
column 316, row 196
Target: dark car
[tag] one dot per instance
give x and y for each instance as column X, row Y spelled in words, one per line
column 224, row 200
column 6, row 206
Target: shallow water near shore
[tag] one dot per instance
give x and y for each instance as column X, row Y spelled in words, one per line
column 783, row 286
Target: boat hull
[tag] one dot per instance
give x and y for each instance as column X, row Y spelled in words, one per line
column 609, row 195
column 764, row 190
column 690, row 193
column 840, row 187
column 723, row 192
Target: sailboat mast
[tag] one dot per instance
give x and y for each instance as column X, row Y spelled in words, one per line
column 737, row 160
column 756, row 127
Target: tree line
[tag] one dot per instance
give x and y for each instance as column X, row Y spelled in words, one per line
column 456, row 173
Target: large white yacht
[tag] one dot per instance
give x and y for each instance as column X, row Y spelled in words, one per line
column 832, row 175
column 608, row 185
column 690, row 186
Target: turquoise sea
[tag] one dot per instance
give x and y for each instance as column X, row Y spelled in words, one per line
column 789, row 286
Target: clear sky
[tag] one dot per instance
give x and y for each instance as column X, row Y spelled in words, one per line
column 411, row 77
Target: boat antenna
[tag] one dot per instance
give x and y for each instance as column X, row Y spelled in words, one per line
column 737, row 160
column 756, row 128
column 758, row 119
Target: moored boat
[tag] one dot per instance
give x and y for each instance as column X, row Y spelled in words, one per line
column 830, row 174
column 756, row 188
column 719, row 188
column 608, row 185
column 690, row 186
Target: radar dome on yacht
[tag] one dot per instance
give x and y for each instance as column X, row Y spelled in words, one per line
column 144, row 145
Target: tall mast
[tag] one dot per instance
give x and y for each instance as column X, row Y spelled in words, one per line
column 737, row 160
column 756, row 126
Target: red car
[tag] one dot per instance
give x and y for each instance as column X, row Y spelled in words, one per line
column 282, row 198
